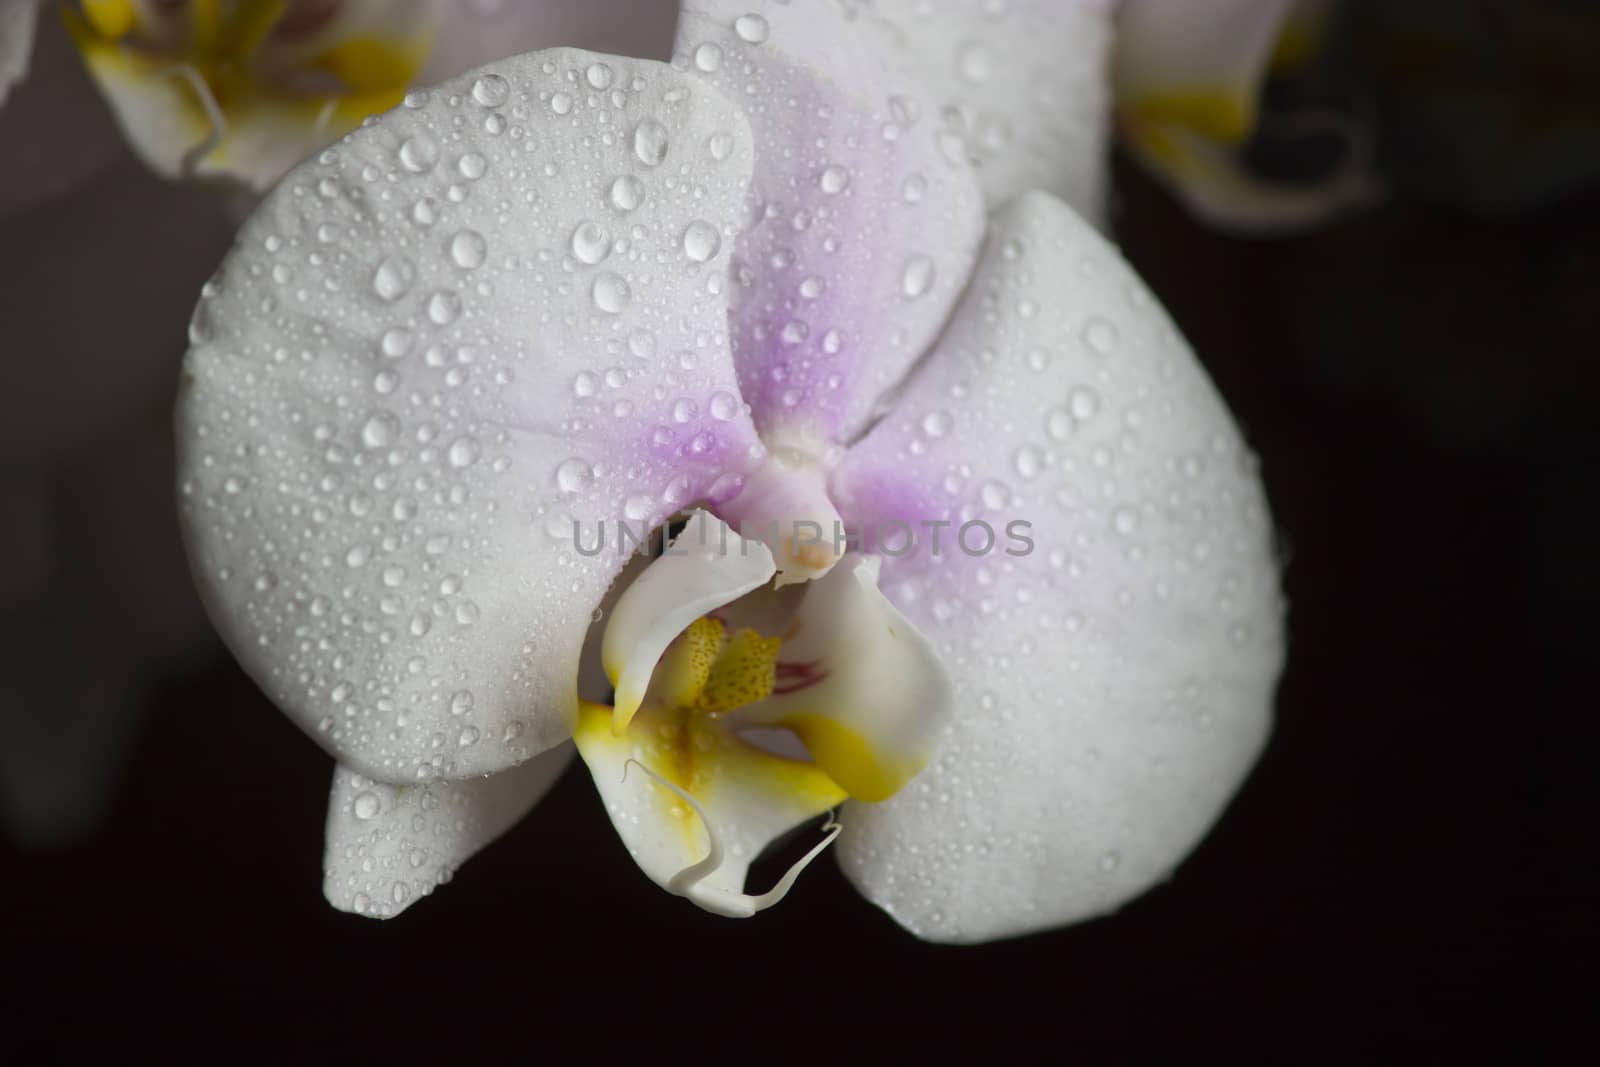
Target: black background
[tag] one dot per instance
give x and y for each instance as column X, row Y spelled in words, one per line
column 1405, row 876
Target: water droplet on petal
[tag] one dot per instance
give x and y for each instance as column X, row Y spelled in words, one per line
column 574, row 475
column 598, row 75
column 590, row 244
column 380, row 430
column 468, row 249
column 611, row 294
column 708, row 57
column 626, row 192
column 833, row 179
column 366, row 805
column 464, row 451
column 490, row 90
column 418, row 154
column 701, row 241
column 393, row 278
column 752, row 28
column 918, row 277
column 650, row 142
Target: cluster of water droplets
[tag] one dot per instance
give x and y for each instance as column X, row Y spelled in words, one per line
column 1135, row 635
column 495, row 312
column 861, row 224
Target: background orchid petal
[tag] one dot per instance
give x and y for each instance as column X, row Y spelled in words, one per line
column 865, row 220
column 1113, row 683
column 473, row 32
column 388, row 846
column 1024, row 84
column 435, row 353
column 1207, row 59
column 17, row 19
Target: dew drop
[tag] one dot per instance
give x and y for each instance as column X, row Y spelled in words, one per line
column 937, row 423
column 1084, row 402
column 650, row 142
column 574, row 475
column 396, row 341
column 464, row 451
column 366, row 806
column 701, row 241
column 393, row 278
column 627, row 192
column 752, row 28
column 598, row 75
column 472, row 166
column 590, row 244
column 708, row 57
column 380, row 430
column 490, row 90
column 724, row 406
column 468, row 249
column 418, row 154
column 1100, row 336
column 610, row 293
column 833, row 179
column 1028, row 461
column 918, row 276
column 444, row 307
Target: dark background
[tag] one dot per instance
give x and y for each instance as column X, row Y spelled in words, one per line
column 1406, row 876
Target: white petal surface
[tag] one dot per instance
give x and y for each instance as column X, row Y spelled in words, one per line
column 463, row 330
column 866, row 214
column 1025, row 84
column 389, row 846
column 475, row 32
column 17, row 18
column 706, row 566
column 1114, row 683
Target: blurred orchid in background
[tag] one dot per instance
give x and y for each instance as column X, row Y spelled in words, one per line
column 767, row 285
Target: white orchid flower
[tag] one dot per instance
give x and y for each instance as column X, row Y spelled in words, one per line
column 755, row 288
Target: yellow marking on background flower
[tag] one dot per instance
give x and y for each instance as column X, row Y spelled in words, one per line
column 111, row 18
column 212, row 95
column 372, row 65
column 1226, row 115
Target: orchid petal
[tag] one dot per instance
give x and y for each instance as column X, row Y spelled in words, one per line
column 1024, row 85
column 1198, row 66
column 706, row 566
column 439, row 356
column 1113, row 680
column 695, row 804
column 860, row 686
column 388, row 846
column 867, row 217
column 474, row 32
column 17, row 19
